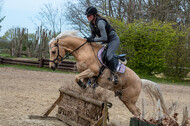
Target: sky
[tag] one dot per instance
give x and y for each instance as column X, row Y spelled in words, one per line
column 21, row 13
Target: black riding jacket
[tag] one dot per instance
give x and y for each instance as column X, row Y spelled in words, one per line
column 102, row 29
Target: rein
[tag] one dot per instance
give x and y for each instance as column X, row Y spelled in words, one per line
column 67, row 55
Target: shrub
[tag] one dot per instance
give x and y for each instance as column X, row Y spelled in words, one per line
column 145, row 44
column 178, row 54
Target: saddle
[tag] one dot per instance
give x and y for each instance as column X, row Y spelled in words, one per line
column 120, row 68
column 102, row 58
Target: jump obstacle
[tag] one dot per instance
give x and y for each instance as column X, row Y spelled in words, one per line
column 78, row 110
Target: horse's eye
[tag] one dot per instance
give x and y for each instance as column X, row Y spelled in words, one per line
column 53, row 52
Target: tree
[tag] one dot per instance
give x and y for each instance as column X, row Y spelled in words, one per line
column 75, row 14
column 51, row 18
column 1, row 18
column 9, row 34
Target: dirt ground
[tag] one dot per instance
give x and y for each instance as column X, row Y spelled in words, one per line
column 25, row 92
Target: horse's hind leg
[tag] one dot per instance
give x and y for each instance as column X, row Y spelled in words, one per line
column 132, row 108
column 129, row 98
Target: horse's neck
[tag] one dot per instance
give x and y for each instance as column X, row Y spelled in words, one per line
column 72, row 43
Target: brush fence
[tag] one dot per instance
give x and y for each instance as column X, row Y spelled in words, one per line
column 78, row 110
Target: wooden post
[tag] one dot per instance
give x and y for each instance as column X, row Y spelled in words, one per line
column 19, row 42
column 27, row 45
column 1, row 60
column 41, row 62
column 53, row 106
column 105, row 114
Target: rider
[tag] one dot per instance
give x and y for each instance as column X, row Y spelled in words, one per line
column 106, row 34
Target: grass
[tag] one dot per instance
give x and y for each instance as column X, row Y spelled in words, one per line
column 6, row 55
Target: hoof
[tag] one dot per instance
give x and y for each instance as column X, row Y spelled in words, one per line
column 118, row 93
column 81, row 84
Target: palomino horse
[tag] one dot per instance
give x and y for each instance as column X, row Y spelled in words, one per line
column 129, row 84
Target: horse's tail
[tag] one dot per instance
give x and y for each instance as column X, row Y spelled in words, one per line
column 153, row 90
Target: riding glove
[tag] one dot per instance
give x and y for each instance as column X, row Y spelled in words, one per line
column 90, row 39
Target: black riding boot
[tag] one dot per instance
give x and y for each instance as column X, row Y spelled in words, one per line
column 112, row 67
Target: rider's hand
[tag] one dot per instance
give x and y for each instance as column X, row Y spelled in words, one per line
column 90, row 39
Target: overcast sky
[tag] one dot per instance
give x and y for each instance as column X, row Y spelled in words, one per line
column 19, row 13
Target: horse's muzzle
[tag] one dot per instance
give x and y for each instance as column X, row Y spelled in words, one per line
column 53, row 68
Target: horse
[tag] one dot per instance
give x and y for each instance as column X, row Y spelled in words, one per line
column 129, row 84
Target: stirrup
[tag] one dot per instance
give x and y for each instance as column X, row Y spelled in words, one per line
column 113, row 78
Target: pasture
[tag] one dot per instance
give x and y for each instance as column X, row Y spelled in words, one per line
column 26, row 92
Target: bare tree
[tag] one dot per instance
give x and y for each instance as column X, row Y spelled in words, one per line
column 107, row 8
column 51, row 18
column 75, row 15
column 129, row 11
column 1, row 18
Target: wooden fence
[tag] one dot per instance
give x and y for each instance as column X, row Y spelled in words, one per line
column 64, row 66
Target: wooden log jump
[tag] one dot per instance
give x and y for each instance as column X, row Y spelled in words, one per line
column 78, row 110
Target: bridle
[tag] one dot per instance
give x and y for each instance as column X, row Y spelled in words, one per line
column 58, row 55
column 66, row 56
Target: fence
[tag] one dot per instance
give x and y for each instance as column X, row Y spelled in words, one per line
column 64, row 66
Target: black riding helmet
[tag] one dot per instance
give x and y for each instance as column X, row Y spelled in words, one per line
column 91, row 11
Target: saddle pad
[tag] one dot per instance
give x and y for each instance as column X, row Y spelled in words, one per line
column 120, row 66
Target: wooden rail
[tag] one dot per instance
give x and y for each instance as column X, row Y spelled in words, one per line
column 64, row 66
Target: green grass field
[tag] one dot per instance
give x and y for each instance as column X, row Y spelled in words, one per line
column 6, row 55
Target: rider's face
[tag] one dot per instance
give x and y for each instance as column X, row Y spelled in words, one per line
column 90, row 17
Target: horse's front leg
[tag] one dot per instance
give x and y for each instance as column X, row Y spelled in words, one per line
column 85, row 74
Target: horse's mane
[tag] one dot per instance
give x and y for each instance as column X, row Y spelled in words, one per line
column 72, row 33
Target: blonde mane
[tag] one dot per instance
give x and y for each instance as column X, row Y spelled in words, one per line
column 73, row 33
